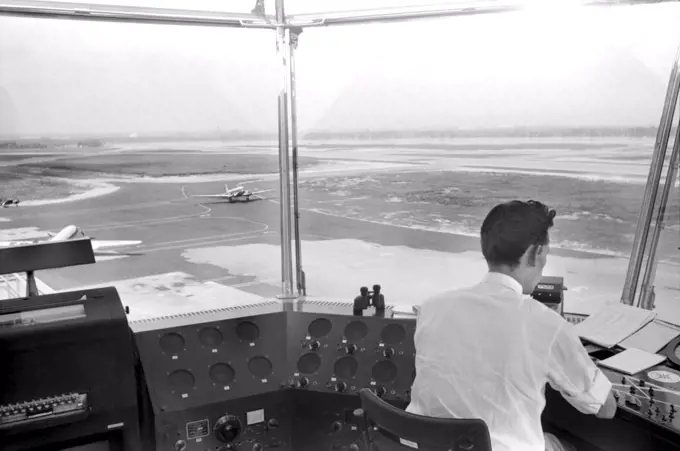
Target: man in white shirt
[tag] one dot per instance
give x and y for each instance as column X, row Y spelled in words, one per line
column 487, row 351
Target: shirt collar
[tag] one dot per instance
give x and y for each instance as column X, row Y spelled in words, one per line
column 504, row 280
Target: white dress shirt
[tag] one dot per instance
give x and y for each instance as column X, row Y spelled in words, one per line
column 487, row 352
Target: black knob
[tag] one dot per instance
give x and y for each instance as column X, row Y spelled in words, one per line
column 302, row 382
column 388, row 352
column 336, row 426
column 632, row 390
column 180, row 445
column 340, row 387
column 380, row 391
column 314, row 345
column 273, row 423
column 351, row 349
column 227, row 428
column 672, row 407
column 642, row 383
column 258, row 447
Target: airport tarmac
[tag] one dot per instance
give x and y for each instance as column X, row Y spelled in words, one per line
column 198, row 255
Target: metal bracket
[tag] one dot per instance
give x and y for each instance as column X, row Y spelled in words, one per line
column 295, row 33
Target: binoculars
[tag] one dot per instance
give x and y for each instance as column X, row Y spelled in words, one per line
column 367, row 299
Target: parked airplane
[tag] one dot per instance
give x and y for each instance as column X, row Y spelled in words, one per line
column 100, row 247
column 9, row 202
column 238, row 194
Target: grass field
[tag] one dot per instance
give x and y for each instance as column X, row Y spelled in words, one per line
column 159, row 164
column 45, row 179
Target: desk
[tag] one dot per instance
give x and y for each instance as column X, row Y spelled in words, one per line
column 646, row 417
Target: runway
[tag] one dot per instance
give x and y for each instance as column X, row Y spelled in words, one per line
column 167, row 221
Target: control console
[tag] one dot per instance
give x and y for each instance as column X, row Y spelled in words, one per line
column 331, row 351
column 653, row 395
column 213, row 379
column 253, row 423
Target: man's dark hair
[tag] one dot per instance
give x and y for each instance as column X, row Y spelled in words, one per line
column 511, row 228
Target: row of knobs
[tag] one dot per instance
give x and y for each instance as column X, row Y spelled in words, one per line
column 181, row 445
column 41, row 404
column 349, row 349
column 633, row 401
column 338, row 386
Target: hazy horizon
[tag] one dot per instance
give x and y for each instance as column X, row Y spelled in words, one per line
column 595, row 68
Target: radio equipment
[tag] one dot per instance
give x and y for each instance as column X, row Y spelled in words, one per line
column 196, row 366
column 331, row 351
column 324, row 421
column 550, row 292
column 67, row 370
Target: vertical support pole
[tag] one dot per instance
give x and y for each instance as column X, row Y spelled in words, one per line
column 299, row 273
column 31, row 285
column 283, row 50
column 651, row 189
column 646, row 299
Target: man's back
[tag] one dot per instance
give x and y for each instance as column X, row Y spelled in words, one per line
column 482, row 353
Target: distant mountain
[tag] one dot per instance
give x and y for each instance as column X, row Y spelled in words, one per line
column 613, row 89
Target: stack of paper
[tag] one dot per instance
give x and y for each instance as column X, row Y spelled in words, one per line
column 613, row 324
column 632, row 361
column 653, row 337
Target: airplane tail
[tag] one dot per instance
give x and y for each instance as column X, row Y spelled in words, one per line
column 226, row 188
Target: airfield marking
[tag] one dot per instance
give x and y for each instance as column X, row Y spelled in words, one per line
column 197, row 242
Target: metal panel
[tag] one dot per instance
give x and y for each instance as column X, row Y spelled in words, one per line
column 439, row 10
column 137, row 14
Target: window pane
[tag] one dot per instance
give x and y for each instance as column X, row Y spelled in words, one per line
column 113, row 128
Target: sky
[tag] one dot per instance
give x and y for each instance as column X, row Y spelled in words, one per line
column 548, row 66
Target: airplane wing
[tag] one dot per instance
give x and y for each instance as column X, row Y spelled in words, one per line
column 17, row 243
column 107, row 244
column 214, row 196
column 263, row 191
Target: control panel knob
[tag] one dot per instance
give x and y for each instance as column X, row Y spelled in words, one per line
column 227, row 428
column 313, row 345
column 388, row 352
column 273, row 423
column 351, row 349
column 180, row 445
column 380, row 391
column 340, row 387
column 302, row 382
column 228, row 447
column 258, row 447
column 336, row 426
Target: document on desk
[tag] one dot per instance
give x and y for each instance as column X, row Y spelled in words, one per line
column 653, row 337
column 632, row 361
column 613, row 323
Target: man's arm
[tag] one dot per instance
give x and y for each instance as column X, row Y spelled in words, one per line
column 575, row 376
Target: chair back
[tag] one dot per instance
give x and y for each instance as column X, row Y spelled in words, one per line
column 388, row 428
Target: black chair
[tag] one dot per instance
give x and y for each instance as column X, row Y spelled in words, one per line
column 388, row 428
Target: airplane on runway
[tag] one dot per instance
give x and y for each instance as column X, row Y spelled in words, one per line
column 100, row 247
column 238, row 194
column 9, row 202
